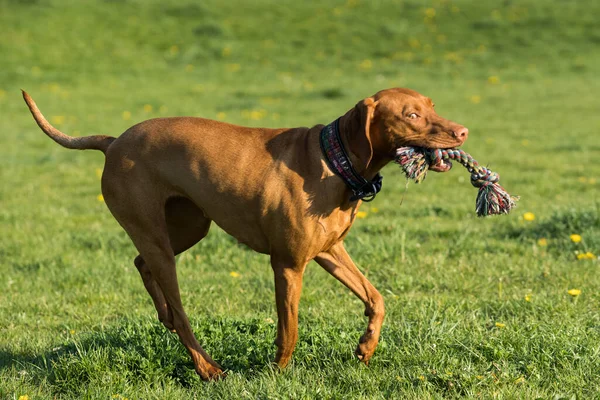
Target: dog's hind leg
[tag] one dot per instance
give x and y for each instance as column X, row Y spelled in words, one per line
column 186, row 225
column 144, row 217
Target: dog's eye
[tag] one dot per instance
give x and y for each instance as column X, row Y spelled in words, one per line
column 413, row 116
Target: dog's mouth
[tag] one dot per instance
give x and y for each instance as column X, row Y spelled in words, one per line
column 441, row 166
column 437, row 165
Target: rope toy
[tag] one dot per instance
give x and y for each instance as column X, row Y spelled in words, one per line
column 492, row 199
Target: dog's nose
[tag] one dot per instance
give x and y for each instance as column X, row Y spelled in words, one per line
column 461, row 133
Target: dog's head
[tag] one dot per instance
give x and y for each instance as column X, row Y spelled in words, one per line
column 396, row 118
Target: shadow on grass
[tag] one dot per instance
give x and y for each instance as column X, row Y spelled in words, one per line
column 143, row 350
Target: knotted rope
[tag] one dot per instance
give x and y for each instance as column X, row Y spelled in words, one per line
column 492, row 198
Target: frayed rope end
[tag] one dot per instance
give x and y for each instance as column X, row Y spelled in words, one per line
column 492, row 199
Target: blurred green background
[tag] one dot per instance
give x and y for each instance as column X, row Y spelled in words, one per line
column 476, row 307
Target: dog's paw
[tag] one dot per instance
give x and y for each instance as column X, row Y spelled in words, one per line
column 212, row 374
column 366, row 347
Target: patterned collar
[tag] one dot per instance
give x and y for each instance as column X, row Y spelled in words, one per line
column 339, row 162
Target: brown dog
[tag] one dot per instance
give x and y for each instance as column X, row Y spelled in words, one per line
column 274, row 190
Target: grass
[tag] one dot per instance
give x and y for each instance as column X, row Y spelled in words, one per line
column 475, row 307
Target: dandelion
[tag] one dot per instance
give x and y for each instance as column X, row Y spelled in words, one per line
column 421, row 377
column 99, row 173
column 586, row 256
column 500, row 325
column 527, row 297
column 100, row 198
column 361, row 215
column 72, row 331
column 543, row 242
column 525, row 142
column 475, row 99
column 414, row 43
column 430, row 12
column 126, row 115
column 374, row 210
column 493, row 80
column 24, row 397
column 575, row 238
column 221, row 116
column 58, row 119
column 148, row 108
column 529, row 216
column 574, row 292
column 269, row 320
column 234, row 274
column 582, row 179
column 233, row 67
column 366, row 65
column 519, row 380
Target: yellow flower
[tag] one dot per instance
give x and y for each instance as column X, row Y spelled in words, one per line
column 374, row 210
column 528, row 297
column 586, row 256
column 100, row 198
column 99, row 172
column 58, row 119
column 234, row 274
column 519, row 380
column 233, row 67
column 575, row 238
column 24, row 397
column 475, row 99
column 72, row 331
column 430, row 12
column 421, row 377
column 361, row 214
column 574, row 292
column 529, row 216
column 366, row 65
column 500, row 325
column 126, row 115
column 221, row 115
column 269, row 320
column 582, row 179
column 525, row 142
column 148, row 108
column 543, row 242
column 494, row 80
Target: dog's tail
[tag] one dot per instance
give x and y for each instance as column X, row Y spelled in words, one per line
column 96, row 142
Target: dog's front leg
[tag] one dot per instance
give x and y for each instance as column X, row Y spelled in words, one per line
column 288, row 285
column 338, row 263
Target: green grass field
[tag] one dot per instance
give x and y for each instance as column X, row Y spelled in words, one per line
column 475, row 307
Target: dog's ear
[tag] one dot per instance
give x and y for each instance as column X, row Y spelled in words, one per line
column 360, row 141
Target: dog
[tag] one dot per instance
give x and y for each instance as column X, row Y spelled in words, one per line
column 290, row 193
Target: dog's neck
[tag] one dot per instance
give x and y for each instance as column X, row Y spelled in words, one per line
column 352, row 133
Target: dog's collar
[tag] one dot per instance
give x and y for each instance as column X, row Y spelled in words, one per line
column 339, row 162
